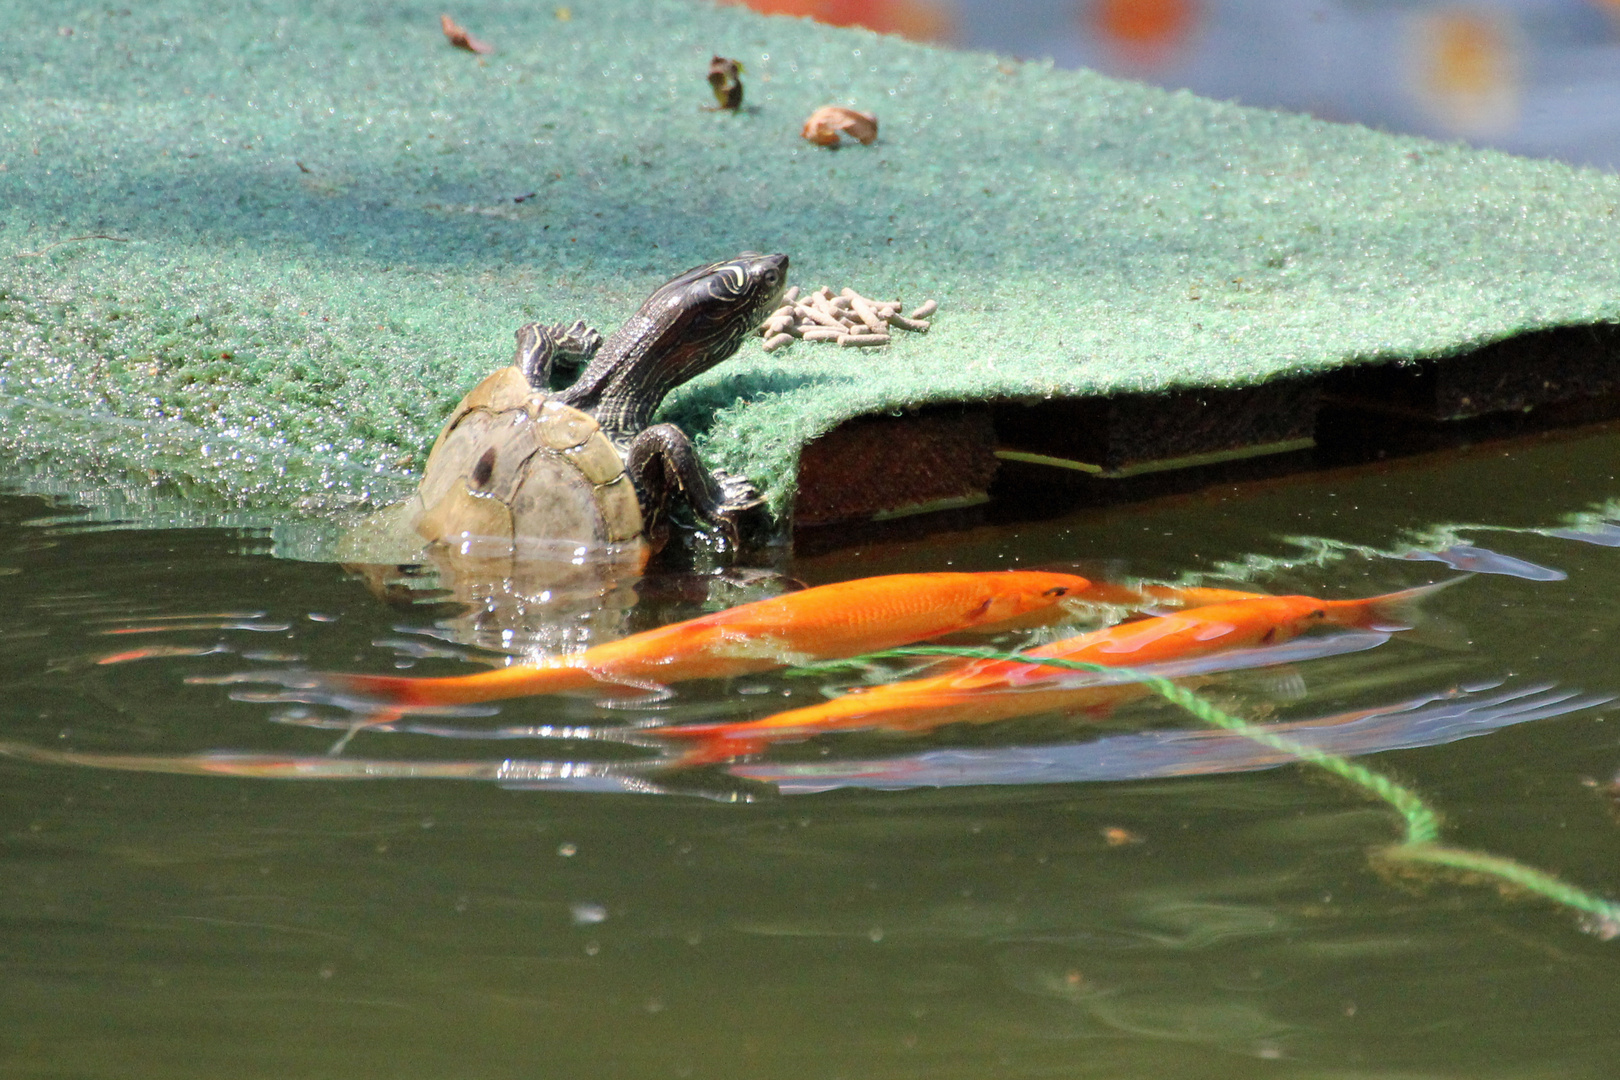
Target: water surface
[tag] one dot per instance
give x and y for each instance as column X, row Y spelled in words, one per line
column 1084, row 898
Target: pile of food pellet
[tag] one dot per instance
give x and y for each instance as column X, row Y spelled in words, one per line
column 847, row 318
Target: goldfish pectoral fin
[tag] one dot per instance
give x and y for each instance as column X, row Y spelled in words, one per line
column 1439, row 632
column 380, row 718
column 1285, row 683
column 1403, row 610
column 620, row 693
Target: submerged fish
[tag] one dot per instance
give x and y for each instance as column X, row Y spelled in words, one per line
column 823, row 623
column 987, row 690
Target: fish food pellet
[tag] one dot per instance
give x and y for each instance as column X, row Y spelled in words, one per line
column 847, row 317
column 815, row 314
column 864, row 310
column 916, row 326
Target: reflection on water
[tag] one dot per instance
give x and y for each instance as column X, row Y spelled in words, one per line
column 1428, row 721
column 968, row 902
column 1478, row 560
column 1421, row 722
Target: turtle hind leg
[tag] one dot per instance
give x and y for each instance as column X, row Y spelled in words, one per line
column 541, row 347
column 663, row 466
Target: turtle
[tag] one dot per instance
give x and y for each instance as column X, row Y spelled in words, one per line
column 583, row 469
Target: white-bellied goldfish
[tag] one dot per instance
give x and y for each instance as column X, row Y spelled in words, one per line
column 985, row 690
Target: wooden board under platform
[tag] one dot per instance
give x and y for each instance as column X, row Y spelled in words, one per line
column 933, row 469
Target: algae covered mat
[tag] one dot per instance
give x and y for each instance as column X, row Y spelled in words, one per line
column 250, row 255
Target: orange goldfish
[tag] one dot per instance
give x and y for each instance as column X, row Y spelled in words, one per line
column 986, row 690
column 824, row 623
column 1164, row 596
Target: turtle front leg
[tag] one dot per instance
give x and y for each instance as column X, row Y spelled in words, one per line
column 540, row 347
column 662, row 464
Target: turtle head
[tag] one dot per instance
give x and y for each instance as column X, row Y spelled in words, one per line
column 691, row 323
column 701, row 317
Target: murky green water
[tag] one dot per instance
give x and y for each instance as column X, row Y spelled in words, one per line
column 1173, row 925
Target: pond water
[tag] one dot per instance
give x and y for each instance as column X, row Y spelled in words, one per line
column 1054, row 897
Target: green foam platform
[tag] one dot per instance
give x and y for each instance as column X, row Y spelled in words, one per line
column 310, row 240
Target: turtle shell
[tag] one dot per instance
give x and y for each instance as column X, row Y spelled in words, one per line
column 515, row 465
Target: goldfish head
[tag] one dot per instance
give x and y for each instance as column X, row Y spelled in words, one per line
column 1287, row 617
column 1024, row 592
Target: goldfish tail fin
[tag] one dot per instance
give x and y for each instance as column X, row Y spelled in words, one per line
column 516, row 680
column 381, row 691
column 371, row 692
column 1403, row 610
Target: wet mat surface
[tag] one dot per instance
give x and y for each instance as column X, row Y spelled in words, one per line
column 251, row 256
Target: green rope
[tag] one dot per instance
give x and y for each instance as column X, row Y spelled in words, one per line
column 1421, row 842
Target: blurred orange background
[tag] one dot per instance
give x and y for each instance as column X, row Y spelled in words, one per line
column 1539, row 77
column 918, row 20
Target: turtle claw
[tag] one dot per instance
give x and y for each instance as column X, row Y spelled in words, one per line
column 736, row 493
column 737, row 510
column 576, row 344
column 541, row 347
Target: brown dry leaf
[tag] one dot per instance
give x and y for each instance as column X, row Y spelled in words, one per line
column 457, row 35
column 827, row 122
column 819, row 132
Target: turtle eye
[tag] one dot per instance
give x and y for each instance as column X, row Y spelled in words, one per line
column 484, row 468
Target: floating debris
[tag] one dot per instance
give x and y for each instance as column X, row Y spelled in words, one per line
column 826, row 123
column 725, row 79
column 458, row 36
column 850, row 319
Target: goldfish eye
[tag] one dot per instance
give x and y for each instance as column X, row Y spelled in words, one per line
column 1057, row 590
column 1318, row 614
